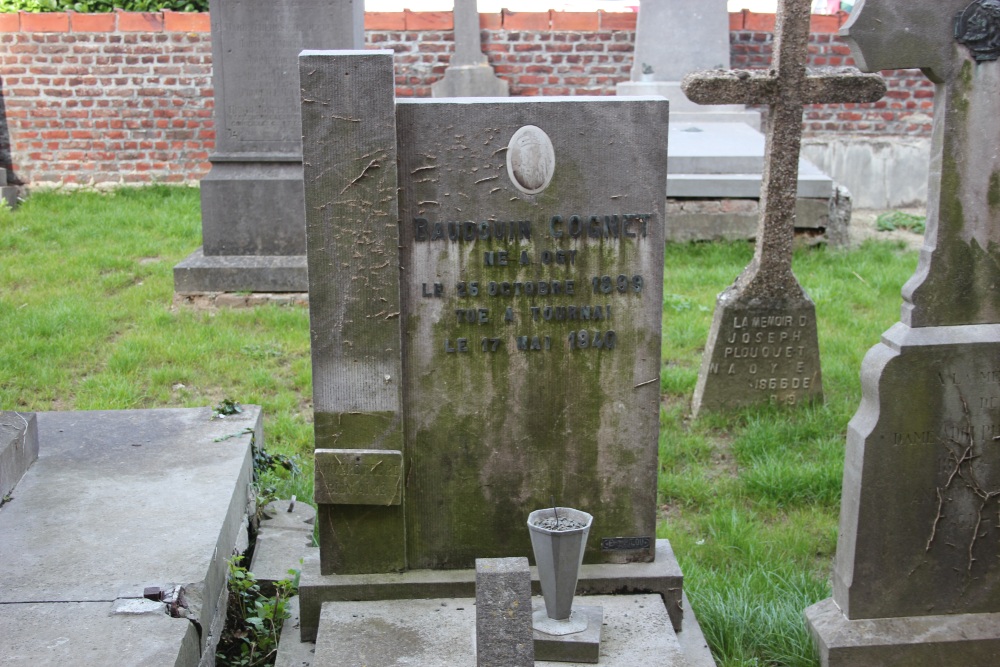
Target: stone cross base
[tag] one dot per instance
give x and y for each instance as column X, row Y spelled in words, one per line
column 970, row 640
column 759, row 350
column 470, row 81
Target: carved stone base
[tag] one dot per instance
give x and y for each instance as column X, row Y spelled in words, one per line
column 759, row 351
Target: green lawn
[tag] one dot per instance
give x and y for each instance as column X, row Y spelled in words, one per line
column 749, row 500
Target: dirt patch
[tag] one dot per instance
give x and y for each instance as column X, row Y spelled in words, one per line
column 863, row 227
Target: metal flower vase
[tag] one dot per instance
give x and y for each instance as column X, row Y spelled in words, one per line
column 558, row 555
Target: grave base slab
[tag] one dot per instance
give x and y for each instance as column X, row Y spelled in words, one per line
column 199, row 273
column 662, row 576
column 970, row 640
column 441, row 633
column 119, row 502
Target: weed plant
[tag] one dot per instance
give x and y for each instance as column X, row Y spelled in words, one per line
column 749, row 499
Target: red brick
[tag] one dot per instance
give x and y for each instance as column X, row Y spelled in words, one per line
column 758, row 22
column 92, row 22
column 186, row 22
column 139, row 21
column 616, row 20
column 490, row 21
column 526, row 20
column 385, row 21
column 49, row 22
column 824, row 24
column 577, row 21
column 10, row 22
column 429, row 20
column 736, row 20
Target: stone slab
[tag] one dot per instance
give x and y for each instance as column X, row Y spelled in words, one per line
column 969, row 640
column 198, row 273
column 359, row 477
column 284, row 537
column 292, row 652
column 132, row 499
column 577, row 647
column 503, row 613
column 662, row 576
column 18, row 447
column 90, row 634
column 738, row 219
column 680, row 36
column 440, row 633
column 692, row 641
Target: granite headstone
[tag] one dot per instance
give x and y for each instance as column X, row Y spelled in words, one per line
column 251, row 199
column 469, row 74
column 763, row 345
column 492, row 336
column 917, row 573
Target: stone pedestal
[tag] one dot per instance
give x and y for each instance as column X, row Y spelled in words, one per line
column 917, row 573
column 469, row 73
column 252, row 208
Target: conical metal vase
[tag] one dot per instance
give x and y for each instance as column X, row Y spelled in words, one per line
column 558, row 555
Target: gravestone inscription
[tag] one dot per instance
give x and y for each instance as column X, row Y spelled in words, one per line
column 763, row 345
column 496, row 327
column 917, row 572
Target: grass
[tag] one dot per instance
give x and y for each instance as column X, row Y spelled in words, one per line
column 749, row 500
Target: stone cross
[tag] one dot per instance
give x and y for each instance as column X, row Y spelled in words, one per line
column 767, row 289
column 917, row 571
column 469, row 73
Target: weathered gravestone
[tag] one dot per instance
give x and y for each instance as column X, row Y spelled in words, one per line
column 762, row 346
column 485, row 302
column 491, row 339
column 917, row 573
column 469, row 73
column 674, row 38
column 251, row 200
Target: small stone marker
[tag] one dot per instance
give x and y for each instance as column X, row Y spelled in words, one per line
column 485, row 313
column 917, row 573
column 469, row 73
column 763, row 344
column 503, row 613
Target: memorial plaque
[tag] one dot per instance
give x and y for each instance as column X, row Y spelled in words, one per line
column 359, row 477
column 531, row 255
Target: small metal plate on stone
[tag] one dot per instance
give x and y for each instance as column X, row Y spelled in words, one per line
column 531, row 160
column 626, row 543
column 359, row 477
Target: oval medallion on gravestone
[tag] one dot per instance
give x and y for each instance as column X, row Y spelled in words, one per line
column 978, row 27
column 531, row 160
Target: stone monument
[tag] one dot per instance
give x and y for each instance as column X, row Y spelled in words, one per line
column 251, row 200
column 674, row 38
column 917, row 574
column 485, row 304
column 469, row 73
column 762, row 346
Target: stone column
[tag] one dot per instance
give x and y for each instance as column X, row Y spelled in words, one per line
column 469, row 74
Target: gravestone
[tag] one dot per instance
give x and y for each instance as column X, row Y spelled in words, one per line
column 251, row 199
column 763, row 345
column 503, row 613
column 917, row 573
column 469, row 73
column 500, row 345
column 674, row 38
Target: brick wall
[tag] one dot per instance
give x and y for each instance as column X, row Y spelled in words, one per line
column 99, row 99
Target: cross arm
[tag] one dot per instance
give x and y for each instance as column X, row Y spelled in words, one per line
column 731, row 86
column 829, row 86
